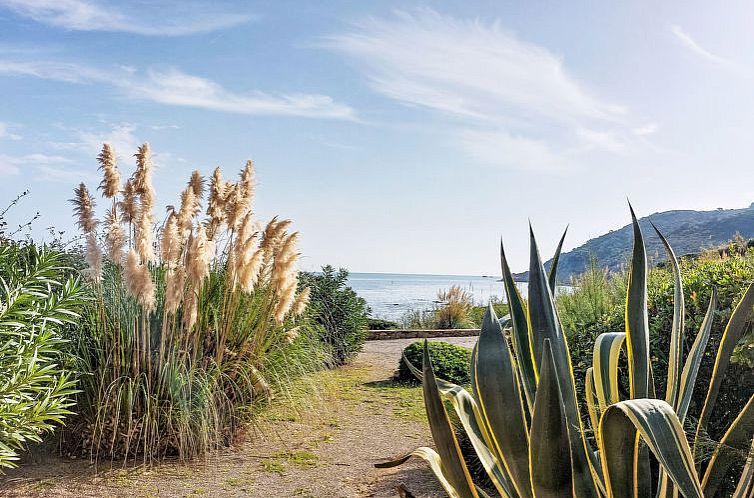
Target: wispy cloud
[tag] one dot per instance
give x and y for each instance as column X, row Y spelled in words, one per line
column 174, row 87
column 36, row 162
column 6, row 133
column 90, row 15
column 692, row 45
column 468, row 68
column 507, row 97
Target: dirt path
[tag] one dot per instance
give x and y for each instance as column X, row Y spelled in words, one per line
column 304, row 446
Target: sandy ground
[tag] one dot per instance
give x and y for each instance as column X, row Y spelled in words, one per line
column 325, row 447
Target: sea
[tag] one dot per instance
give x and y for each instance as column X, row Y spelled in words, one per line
column 392, row 295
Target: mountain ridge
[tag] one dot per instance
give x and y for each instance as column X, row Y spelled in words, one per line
column 688, row 231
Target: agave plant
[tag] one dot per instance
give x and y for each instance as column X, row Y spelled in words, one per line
column 523, row 418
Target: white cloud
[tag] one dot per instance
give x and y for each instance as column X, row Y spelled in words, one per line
column 13, row 165
column 647, row 129
column 6, row 133
column 469, row 69
column 512, row 103
column 500, row 148
column 687, row 41
column 174, row 87
column 91, row 15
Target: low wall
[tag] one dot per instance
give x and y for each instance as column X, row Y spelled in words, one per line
column 379, row 335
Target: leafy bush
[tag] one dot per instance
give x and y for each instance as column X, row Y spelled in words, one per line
column 522, row 415
column 341, row 313
column 596, row 303
column 455, row 310
column 179, row 344
column 36, row 302
column 477, row 312
column 451, row 362
column 455, row 307
column 380, row 324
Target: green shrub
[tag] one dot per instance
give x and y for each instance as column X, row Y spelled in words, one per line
column 36, row 302
column 477, row 312
column 341, row 313
column 455, row 310
column 596, row 305
column 380, row 324
column 451, row 361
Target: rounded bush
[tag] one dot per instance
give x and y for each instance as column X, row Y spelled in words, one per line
column 451, row 362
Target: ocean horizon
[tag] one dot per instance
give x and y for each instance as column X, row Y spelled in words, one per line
column 391, row 295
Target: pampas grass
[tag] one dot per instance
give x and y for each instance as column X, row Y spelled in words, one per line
column 187, row 334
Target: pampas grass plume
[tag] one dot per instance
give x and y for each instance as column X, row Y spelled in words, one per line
column 110, row 184
column 83, row 209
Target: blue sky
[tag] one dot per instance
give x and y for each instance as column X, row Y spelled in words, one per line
column 399, row 137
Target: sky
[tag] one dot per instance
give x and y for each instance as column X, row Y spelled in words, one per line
column 398, row 136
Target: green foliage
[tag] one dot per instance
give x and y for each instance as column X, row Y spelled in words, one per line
column 451, row 362
column 380, row 324
column 477, row 312
column 341, row 313
column 596, row 305
column 455, row 310
column 522, row 416
column 36, row 303
column 181, row 399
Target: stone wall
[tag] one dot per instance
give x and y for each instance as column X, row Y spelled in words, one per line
column 378, row 335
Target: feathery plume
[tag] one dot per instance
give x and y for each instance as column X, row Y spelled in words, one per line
column 188, row 211
column 284, row 278
column 199, row 256
column 291, row 335
column 170, row 242
column 175, row 285
column 139, row 281
column 144, row 237
column 83, row 208
column 128, row 206
column 110, row 184
column 142, row 183
column 216, row 202
column 93, row 258
column 190, row 309
column 143, row 174
column 115, row 238
column 239, row 196
column 197, row 183
column 302, row 301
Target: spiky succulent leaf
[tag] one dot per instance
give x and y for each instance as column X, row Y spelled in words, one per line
column 454, row 467
column 607, row 350
column 654, row 420
column 552, row 276
column 521, row 336
column 544, row 324
column 549, row 450
column 694, row 360
column 499, row 397
column 676, row 331
column 637, row 321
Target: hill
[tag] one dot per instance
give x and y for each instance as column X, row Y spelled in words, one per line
column 687, row 231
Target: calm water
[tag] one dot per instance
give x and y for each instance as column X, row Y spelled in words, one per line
column 391, row 295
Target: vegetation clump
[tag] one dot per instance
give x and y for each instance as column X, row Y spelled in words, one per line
column 451, row 362
column 192, row 320
column 37, row 302
column 523, row 414
column 343, row 316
